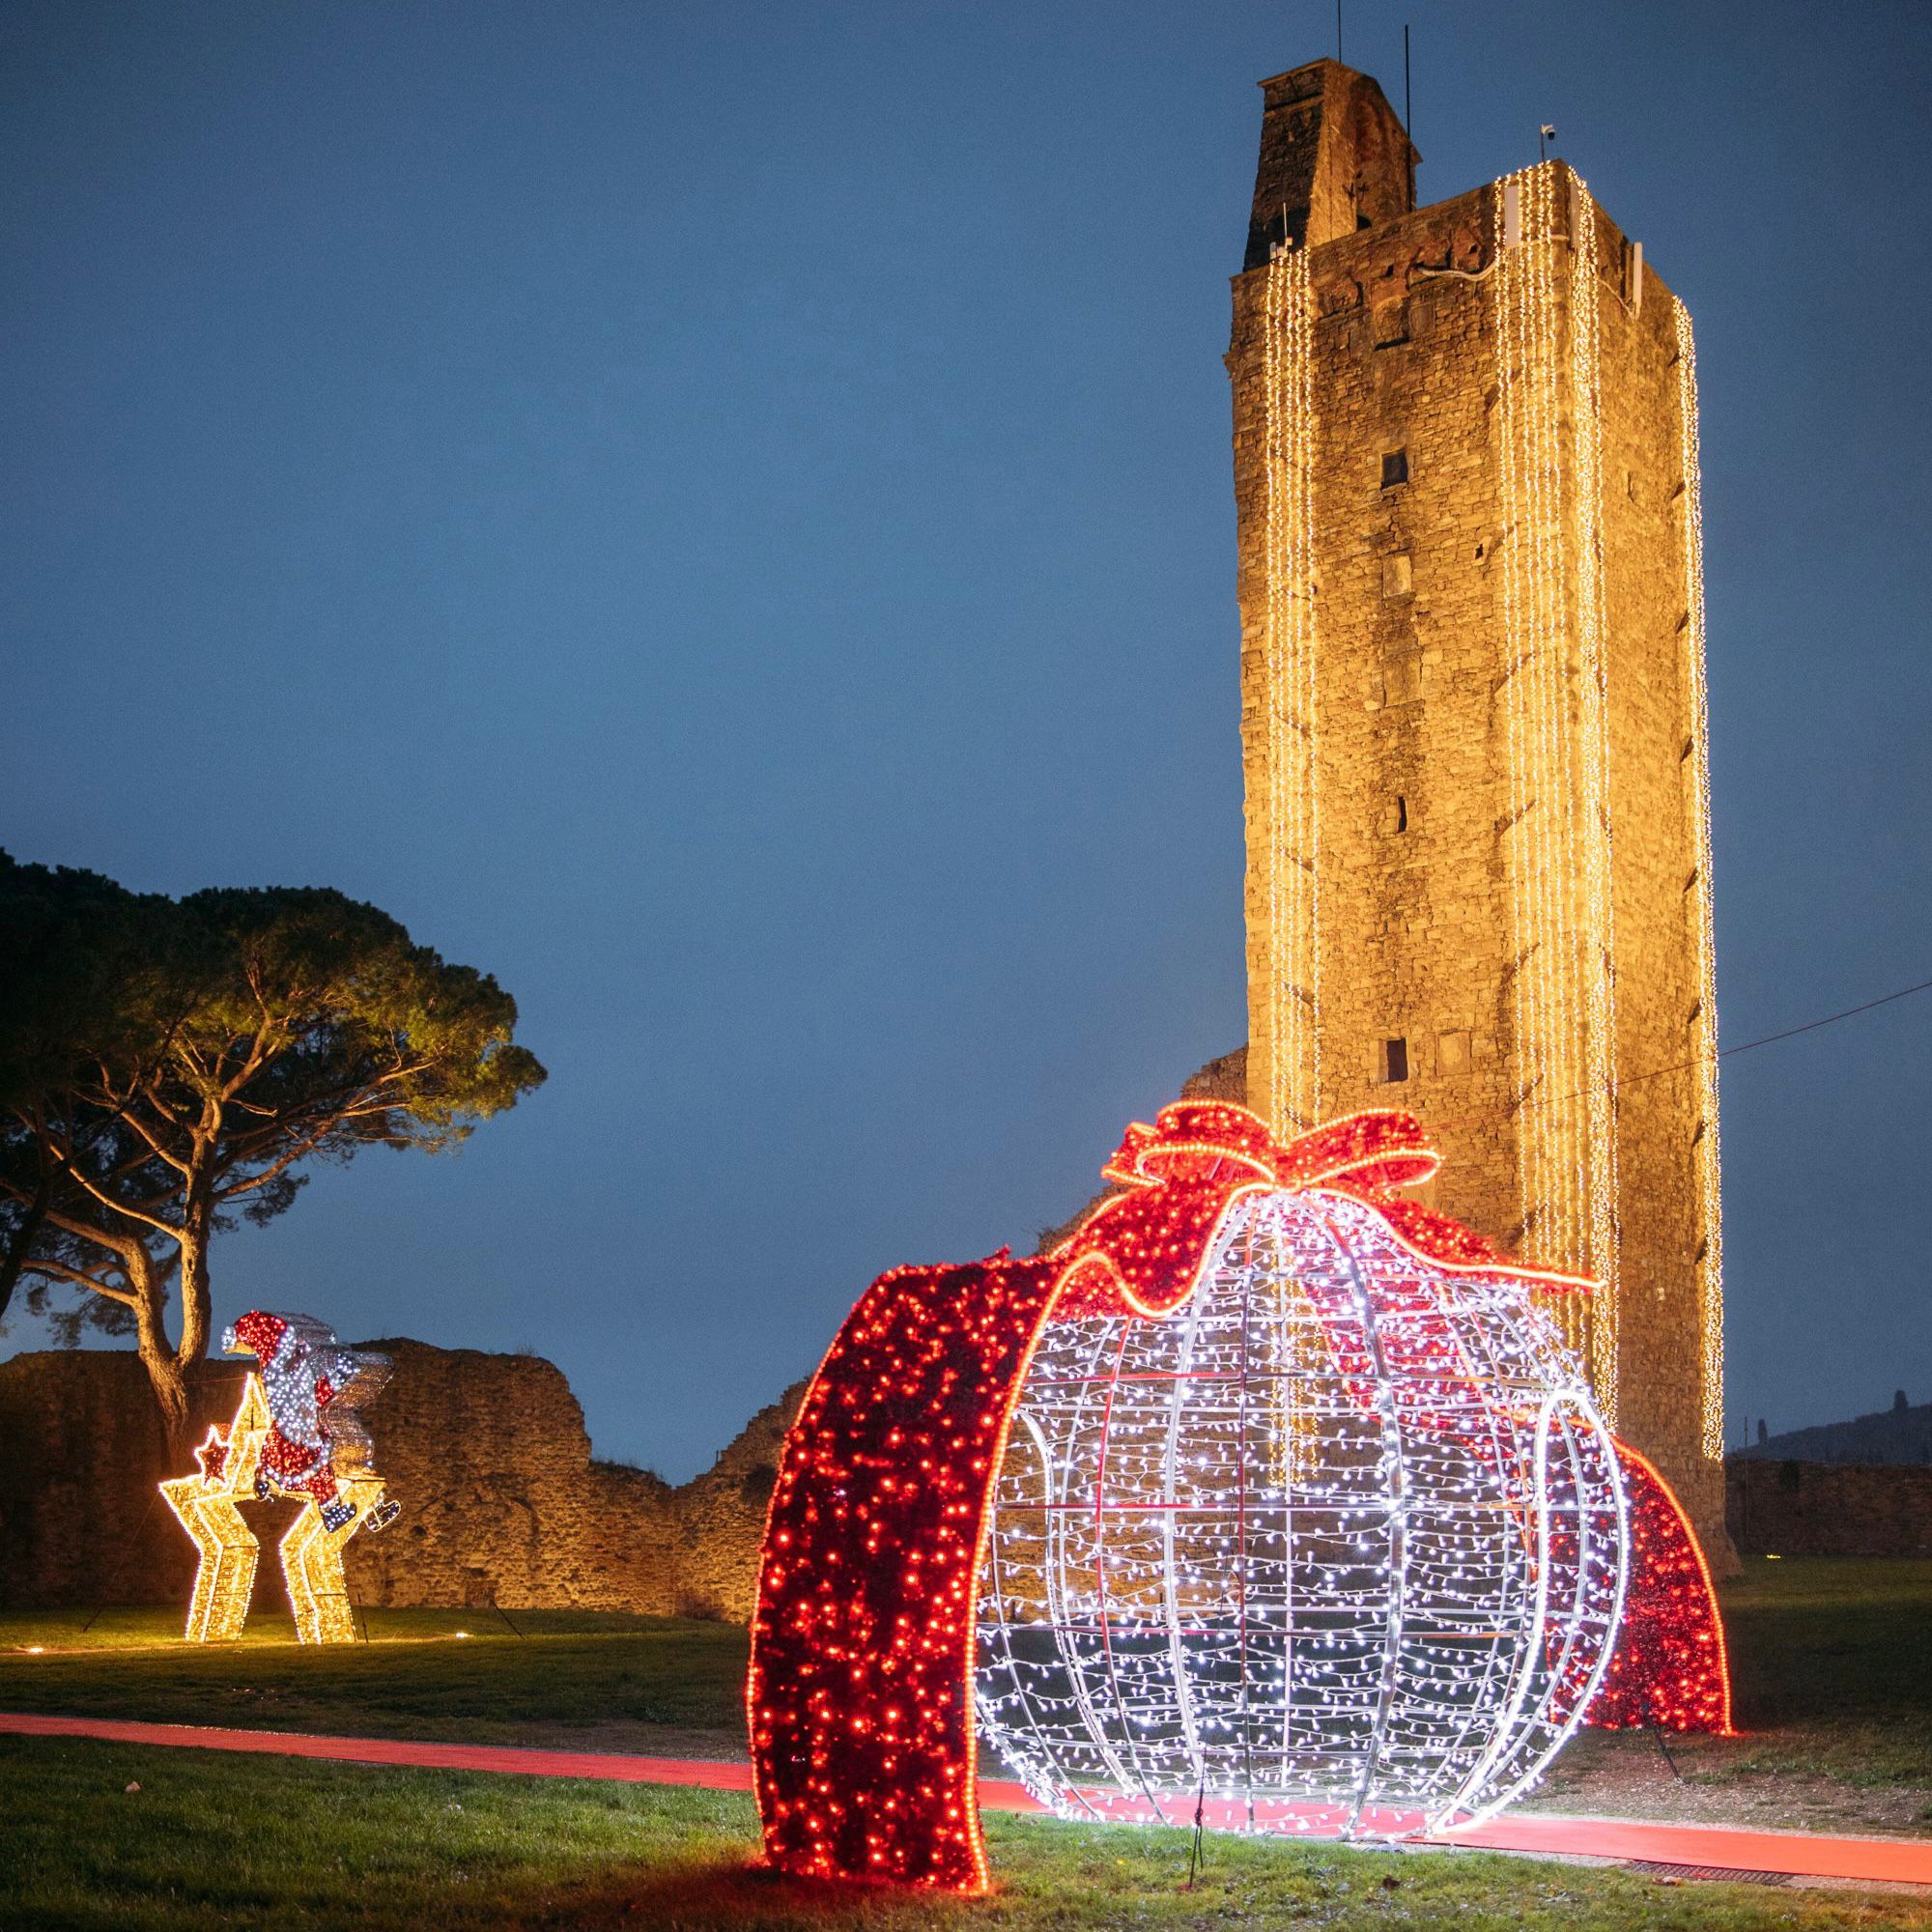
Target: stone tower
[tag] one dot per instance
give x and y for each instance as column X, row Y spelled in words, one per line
column 1473, row 723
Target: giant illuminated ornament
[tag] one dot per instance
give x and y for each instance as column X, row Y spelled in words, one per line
column 1268, row 1497
column 296, row 1436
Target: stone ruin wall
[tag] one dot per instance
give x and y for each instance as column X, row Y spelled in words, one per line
column 487, row 1455
column 1827, row 1508
column 503, row 1504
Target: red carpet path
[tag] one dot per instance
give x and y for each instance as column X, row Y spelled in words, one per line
column 1888, row 1860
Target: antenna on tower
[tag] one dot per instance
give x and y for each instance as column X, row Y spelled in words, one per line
column 1338, row 30
column 1407, row 114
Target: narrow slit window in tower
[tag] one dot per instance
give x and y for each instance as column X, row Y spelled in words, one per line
column 1395, row 1061
column 1395, row 467
column 1401, row 812
column 1391, row 324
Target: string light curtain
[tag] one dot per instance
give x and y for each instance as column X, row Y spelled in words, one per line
column 1285, row 1052
column 1698, row 755
column 1546, row 294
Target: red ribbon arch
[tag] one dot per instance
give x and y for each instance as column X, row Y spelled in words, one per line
column 860, row 1696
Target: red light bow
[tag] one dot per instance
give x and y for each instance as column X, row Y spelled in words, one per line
column 860, row 1691
column 1142, row 1249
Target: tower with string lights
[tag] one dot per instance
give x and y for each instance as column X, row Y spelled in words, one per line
column 1474, row 724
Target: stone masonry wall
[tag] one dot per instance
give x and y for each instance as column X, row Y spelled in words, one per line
column 502, row 1501
column 719, row 1518
column 1333, row 154
column 1411, row 779
column 1412, row 749
column 1827, row 1508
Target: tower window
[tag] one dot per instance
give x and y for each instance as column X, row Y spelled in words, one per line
column 1401, row 679
column 1395, row 467
column 1401, row 812
column 1395, row 1061
column 1391, row 324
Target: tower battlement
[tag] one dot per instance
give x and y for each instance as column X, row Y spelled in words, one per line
column 1473, row 721
column 1335, row 159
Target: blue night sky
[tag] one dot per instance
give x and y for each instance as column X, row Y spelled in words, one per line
column 721, row 516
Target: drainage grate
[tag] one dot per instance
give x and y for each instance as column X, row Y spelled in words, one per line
column 1658, row 1868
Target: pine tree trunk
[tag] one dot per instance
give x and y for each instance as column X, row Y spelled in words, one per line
column 170, row 1386
column 166, row 1365
column 168, row 1368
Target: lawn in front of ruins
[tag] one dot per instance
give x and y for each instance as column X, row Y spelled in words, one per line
column 1834, row 1693
column 1830, row 1662
column 263, row 1842
column 98, row 1836
column 572, row 1679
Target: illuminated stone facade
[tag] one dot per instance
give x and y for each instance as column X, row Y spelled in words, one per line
column 1473, row 722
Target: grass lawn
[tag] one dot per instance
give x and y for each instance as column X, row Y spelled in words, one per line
column 600, row 1680
column 1831, row 1671
column 1831, row 1664
column 215, row 1840
column 1830, row 1661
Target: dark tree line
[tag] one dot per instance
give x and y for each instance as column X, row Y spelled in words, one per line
column 171, row 1067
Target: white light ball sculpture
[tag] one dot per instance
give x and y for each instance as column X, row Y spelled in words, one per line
column 1337, row 1548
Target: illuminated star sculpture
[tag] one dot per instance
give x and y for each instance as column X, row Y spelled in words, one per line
column 295, row 1435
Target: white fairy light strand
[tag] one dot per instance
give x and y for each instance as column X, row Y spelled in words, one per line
column 1555, row 700
column 1711, row 1259
column 1290, row 838
column 1524, row 673
column 1597, row 942
column 1397, row 1637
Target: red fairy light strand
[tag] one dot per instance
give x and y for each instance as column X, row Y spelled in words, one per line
column 1671, row 1668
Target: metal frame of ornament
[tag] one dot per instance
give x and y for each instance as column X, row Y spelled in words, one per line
column 1339, row 1545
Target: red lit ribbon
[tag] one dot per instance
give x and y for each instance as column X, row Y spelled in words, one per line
column 1141, row 1250
column 860, row 1692
column 1669, row 1668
